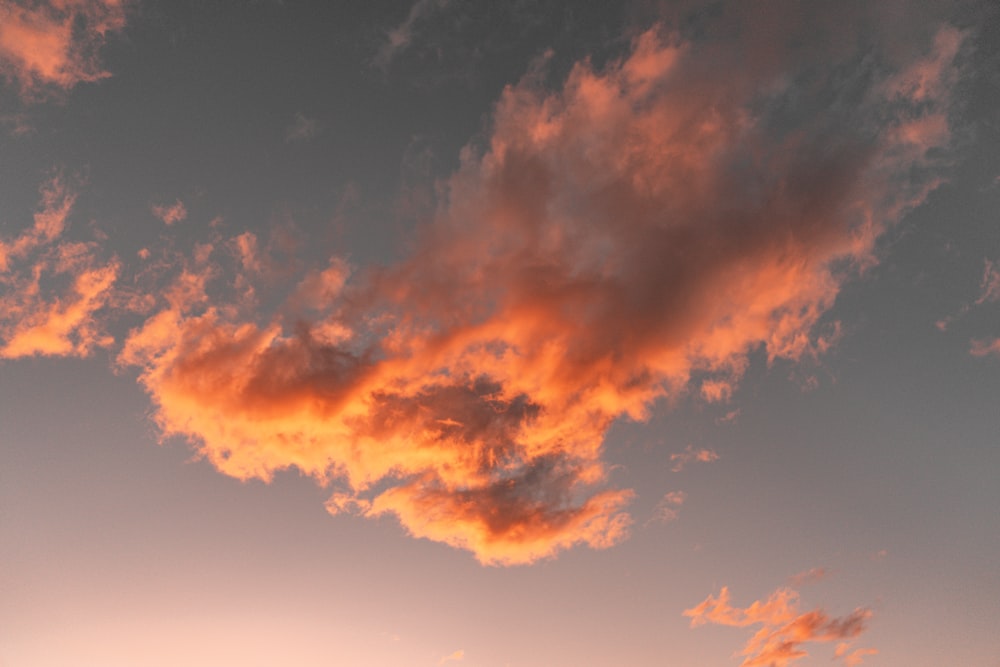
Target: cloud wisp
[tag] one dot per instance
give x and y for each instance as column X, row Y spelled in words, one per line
column 54, row 45
column 784, row 628
column 170, row 214
column 679, row 460
column 633, row 235
column 399, row 38
column 51, row 289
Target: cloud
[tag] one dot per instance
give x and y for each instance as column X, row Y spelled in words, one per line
column 51, row 289
column 170, row 213
column 989, row 286
column 985, row 347
column 783, row 628
column 691, row 455
column 54, row 44
column 457, row 656
column 668, row 507
column 648, row 225
column 809, row 576
column 302, row 128
column 398, row 39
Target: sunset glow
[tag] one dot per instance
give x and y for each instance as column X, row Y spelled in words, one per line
column 432, row 332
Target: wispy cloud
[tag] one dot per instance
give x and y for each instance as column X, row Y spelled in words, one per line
column 669, row 506
column 54, row 44
column 170, row 213
column 50, row 288
column 399, row 38
column 984, row 347
column 646, row 223
column 456, row 656
column 302, row 128
column 989, row 286
column 691, row 455
column 784, row 628
column 810, row 576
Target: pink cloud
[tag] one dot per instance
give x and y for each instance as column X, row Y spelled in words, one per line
column 668, row 507
column 989, row 286
column 983, row 348
column 52, row 289
column 691, row 455
column 170, row 213
column 784, row 628
column 616, row 240
column 809, row 576
column 54, row 44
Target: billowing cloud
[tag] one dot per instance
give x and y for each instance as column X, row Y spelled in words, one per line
column 691, row 455
column 633, row 235
column 784, row 628
column 170, row 213
column 51, row 288
column 54, row 44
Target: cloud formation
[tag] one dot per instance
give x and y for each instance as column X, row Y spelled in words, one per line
column 633, row 235
column 456, row 656
column 691, row 455
column 784, row 628
column 54, row 44
column 170, row 213
column 398, row 39
column 51, row 289
column 669, row 506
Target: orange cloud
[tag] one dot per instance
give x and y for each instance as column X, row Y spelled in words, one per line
column 52, row 289
column 646, row 224
column 784, row 628
column 54, row 44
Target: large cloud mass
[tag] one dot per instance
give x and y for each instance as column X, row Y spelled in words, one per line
column 634, row 234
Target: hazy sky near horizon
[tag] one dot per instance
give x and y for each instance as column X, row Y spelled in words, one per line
column 468, row 333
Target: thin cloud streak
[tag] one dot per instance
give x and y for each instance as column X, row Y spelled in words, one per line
column 644, row 225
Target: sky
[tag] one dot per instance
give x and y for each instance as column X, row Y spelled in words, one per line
column 430, row 332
